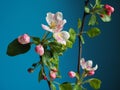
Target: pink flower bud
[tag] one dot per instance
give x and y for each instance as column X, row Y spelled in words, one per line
column 52, row 74
column 112, row 9
column 109, row 9
column 72, row 74
column 92, row 72
column 30, row 70
column 24, row 39
column 109, row 13
column 106, row 6
column 39, row 49
column 54, row 70
column 44, row 77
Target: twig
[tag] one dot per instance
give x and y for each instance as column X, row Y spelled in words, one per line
column 79, row 40
column 44, row 72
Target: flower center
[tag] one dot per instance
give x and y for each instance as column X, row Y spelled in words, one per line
column 52, row 25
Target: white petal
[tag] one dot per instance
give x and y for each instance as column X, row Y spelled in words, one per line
column 64, row 21
column 89, row 64
column 45, row 27
column 96, row 67
column 59, row 16
column 59, row 38
column 83, row 63
column 50, row 17
column 65, row 35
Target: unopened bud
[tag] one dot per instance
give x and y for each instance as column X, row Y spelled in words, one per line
column 72, row 74
column 30, row 70
column 24, row 39
column 39, row 49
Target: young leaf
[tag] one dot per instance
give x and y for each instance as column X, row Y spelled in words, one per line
column 52, row 86
column 46, row 58
column 72, row 35
column 57, row 48
column 36, row 40
column 69, row 44
column 95, row 83
column 87, row 10
column 82, row 39
column 93, row 32
column 106, row 18
column 78, row 87
column 79, row 23
column 65, row 86
column 98, row 2
column 15, row 48
column 92, row 20
column 40, row 76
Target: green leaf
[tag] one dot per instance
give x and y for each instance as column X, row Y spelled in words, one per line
column 82, row 39
column 93, row 32
column 106, row 18
column 52, row 86
column 69, row 44
column 98, row 2
column 40, row 75
column 92, row 20
column 79, row 23
column 95, row 83
column 57, row 48
column 87, row 10
column 36, row 40
column 15, row 48
column 46, row 58
column 65, row 86
column 77, row 87
column 72, row 35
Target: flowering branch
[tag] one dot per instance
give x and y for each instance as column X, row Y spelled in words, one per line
column 53, row 45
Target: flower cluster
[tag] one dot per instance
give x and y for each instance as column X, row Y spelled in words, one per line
column 87, row 67
column 56, row 23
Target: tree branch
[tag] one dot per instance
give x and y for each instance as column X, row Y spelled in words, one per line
column 79, row 40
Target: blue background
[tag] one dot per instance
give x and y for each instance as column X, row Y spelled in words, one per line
column 26, row 16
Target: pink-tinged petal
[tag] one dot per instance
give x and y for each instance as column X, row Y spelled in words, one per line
column 83, row 63
column 45, row 27
column 61, row 37
column 65, row 35
column 89, row 64
column 59, row 16
column 55, row 22
column 50, row 17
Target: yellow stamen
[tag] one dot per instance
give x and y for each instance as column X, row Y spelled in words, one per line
column 52, row 25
